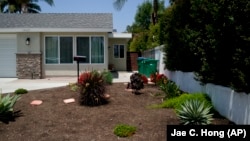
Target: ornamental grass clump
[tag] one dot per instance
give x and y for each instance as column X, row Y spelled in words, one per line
column 92, row 88
column 124, row 130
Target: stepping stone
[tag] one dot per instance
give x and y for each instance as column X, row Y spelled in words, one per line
column 70, row 100
column 129, row 90
column 36, row 102
column 107, row 96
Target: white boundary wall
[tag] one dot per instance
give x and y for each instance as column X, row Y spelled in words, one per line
column 230, row 104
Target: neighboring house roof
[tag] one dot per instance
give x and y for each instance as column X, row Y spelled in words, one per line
column 56, row 22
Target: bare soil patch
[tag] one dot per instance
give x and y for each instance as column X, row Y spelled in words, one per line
column 54, row 120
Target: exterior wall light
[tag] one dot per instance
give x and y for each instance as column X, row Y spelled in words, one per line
column 28, row 41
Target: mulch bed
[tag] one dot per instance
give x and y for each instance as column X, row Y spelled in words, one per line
column 55, row 120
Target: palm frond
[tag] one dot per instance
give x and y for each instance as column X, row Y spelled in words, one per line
column 118, row 4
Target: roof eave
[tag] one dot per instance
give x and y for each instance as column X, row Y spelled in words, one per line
column 13, row 30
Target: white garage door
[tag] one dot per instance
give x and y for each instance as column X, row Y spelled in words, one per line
column 8, row 49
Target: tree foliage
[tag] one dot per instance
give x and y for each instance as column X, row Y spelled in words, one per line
column 179, row 38
column 146, row 32
column 22, row 6
column 210, row 38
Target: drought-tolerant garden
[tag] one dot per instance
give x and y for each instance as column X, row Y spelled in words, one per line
column 99, row 109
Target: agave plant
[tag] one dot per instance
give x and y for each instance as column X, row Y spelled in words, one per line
column 195, row 112
column 92, row 88
column 7, row 103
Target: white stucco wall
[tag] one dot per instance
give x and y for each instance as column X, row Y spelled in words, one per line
column 34, row 46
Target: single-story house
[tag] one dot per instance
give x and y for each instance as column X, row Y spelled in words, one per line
column 41, row 45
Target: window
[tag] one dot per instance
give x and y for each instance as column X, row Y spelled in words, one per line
column 51, row 50
column 92, row 48
column 119, row 51
column 82, row 47
column 66, row 50
column 97, row 50
column 58, row 50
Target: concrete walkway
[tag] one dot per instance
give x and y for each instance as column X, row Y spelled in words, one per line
column 9, row 85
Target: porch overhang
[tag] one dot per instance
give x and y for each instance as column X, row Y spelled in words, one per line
column 120, row 35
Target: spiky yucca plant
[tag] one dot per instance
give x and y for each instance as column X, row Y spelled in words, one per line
column 92, row 88
column 195, row 112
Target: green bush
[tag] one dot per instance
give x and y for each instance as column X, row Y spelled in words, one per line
column 74, row 86
column 194, row 112
column 21, row 91
column 170, row 89
column 108, row 77
column 210, row 38
column 176, row 102
column 7, row 103
column 123, row 130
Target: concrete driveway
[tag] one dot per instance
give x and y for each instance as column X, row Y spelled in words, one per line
column 9, row 85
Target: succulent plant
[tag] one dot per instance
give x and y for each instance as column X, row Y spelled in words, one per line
column 195, row 112
column 7, row 103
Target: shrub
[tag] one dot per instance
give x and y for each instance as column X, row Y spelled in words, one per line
column 7, row 103
column 158, row 78
column 21, row 91
column 176, row 102
column 123, row 130
column 74, row 86
column 92, row 88
column 136, row 83
column 195, row 112
column 170, row 89
column 107, row 76
column 144, row 79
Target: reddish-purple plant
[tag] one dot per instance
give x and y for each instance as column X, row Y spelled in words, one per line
column 92, row 88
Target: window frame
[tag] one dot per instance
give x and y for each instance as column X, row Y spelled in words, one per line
column 74, row 48
column 58, row 49
column 89, row 46
column 119, row 52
